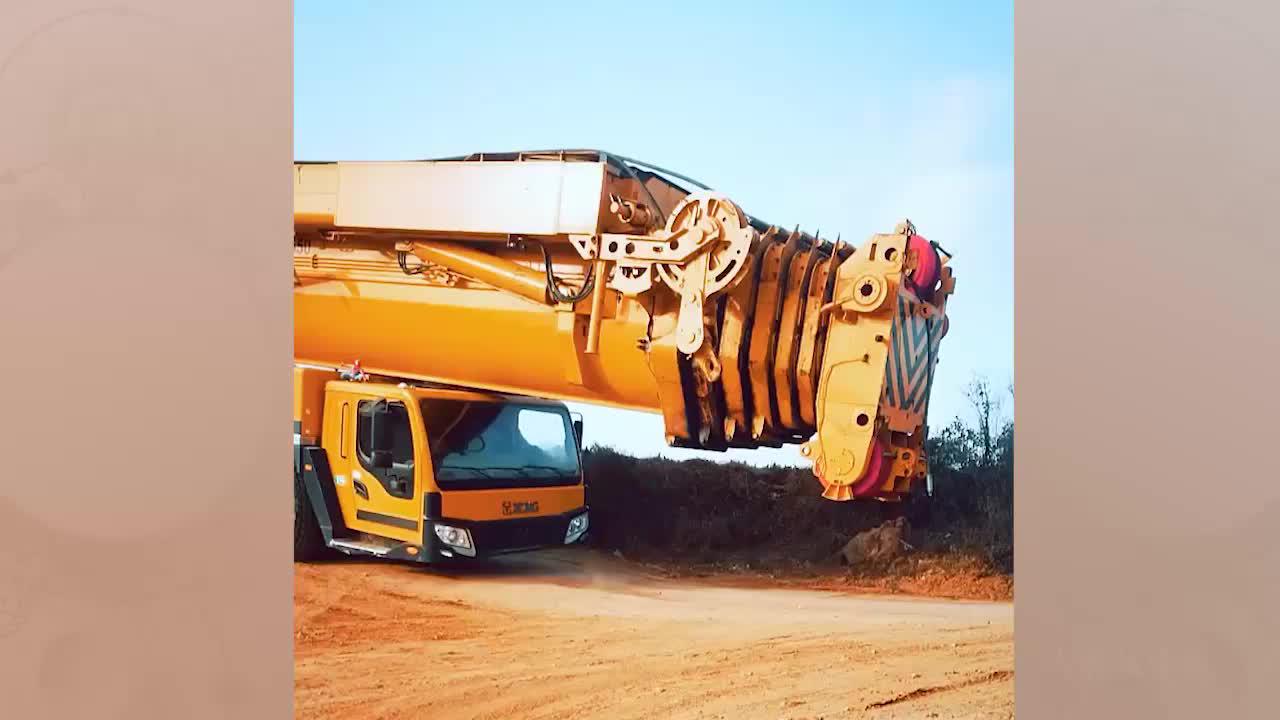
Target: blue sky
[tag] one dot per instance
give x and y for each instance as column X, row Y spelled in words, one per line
column 839, row 117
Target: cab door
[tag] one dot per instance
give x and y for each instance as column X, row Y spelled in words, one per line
column 384, row 483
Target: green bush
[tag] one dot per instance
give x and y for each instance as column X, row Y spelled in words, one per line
column 699, row 511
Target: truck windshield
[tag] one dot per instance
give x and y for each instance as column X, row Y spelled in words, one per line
column 478, row 445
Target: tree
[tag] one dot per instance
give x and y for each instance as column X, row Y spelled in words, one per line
column 986, row 407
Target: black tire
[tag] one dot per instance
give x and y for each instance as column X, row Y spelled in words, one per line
column 308, row 541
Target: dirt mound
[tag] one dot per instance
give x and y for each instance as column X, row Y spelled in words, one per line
column 951, row 576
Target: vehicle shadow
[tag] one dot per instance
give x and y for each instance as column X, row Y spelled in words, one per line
column 549, row 564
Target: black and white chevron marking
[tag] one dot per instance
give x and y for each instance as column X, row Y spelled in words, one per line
column 915, row 342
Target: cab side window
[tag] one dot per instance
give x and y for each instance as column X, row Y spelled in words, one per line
column 401, row 432
column 397, row 480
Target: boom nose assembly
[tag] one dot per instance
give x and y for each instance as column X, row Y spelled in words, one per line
column 741, row 334
column 767, row 338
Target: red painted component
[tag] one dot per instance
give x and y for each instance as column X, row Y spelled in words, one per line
column 924, row 279
column 876, row 474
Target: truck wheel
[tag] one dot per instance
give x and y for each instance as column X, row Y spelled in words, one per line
column 308, row 542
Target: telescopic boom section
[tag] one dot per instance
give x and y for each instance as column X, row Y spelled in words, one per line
column 577, row 275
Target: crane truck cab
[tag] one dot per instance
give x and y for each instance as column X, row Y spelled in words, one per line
column 417, row 472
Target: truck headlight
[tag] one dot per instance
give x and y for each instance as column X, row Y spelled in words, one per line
column 577, row 527
column 455, row 537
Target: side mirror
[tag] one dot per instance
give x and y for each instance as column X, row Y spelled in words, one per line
column 381, row 459
column 380, row 440
column 577, row 428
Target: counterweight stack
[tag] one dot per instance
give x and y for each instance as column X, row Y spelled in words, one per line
column 578, row 275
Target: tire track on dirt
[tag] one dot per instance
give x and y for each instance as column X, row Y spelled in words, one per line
column 993, row 677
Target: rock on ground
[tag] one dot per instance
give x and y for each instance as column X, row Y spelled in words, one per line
column 882, row 543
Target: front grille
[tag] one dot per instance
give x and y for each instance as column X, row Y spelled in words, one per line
column 518, row 534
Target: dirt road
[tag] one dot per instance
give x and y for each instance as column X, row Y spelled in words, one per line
column 574, row 634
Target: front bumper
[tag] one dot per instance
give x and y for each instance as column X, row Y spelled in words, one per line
column 500, row 537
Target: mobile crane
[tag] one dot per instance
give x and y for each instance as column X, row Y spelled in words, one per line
column 444, row 310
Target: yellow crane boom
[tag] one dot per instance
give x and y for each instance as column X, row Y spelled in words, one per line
column 580, row 275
